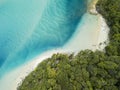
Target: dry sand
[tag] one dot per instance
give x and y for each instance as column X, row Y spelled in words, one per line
column 89, row 34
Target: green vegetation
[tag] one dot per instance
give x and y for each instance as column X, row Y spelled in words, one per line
column 110, row 10
column 87, row 70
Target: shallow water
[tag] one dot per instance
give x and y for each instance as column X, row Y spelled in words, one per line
column 30, row 27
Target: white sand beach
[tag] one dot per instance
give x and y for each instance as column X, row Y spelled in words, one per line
column 89, row 34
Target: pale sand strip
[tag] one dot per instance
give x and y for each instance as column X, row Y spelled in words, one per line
column 88, row 36
column 92, row 7
column 85, row 39
column 14, row 78
column 103, row 38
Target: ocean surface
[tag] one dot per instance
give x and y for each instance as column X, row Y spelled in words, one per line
column 31, row 27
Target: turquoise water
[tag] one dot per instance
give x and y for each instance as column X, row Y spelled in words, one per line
column 30, row 27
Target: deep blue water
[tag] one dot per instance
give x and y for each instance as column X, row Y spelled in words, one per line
column 30, row 27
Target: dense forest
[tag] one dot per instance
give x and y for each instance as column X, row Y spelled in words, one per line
column 110, row 10
column 87, row 70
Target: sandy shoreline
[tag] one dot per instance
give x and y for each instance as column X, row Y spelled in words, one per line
column 92, row 7
column 16, row 76
column 84, row 38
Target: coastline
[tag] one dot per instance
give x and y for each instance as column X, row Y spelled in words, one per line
column 84, row 38
column 103, row 38
column 92, row 7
